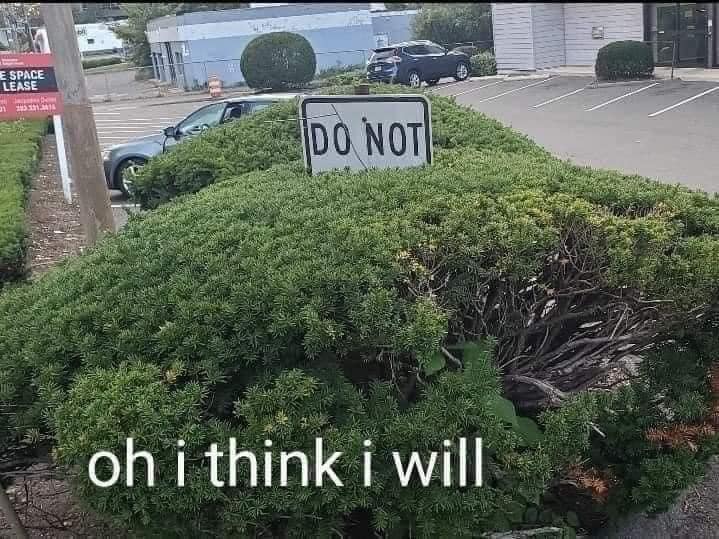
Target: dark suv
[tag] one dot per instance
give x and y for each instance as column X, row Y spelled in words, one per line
column 415, row 61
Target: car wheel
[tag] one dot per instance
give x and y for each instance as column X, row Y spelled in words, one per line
column 432, row 82
column 414, row 79
column 462, row 71
column 126, row 171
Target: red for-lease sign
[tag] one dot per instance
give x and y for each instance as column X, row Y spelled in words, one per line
column 28, row 86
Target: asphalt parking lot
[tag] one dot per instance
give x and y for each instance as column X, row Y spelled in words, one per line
column 667, row 130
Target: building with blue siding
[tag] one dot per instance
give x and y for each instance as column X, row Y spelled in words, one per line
column 188, row 49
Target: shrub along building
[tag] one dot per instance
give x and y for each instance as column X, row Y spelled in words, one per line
column 535, row 36
column 187, row 49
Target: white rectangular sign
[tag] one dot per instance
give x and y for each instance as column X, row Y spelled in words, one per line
column 365, row 131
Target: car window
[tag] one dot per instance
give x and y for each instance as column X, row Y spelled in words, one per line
column 435, row 49
column 204, row 118
column 416, row 50
column 256, row 106
column 382, row 54
column 234, row 111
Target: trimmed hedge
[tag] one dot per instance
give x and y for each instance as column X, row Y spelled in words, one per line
column 91, row 63
column 483, row 64
column 625, row 60
column 19, row 152
column 278, row 60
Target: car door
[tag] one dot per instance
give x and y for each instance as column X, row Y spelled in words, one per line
column 443, row 63
column 417, row 56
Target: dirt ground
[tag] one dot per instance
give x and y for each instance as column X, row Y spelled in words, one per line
column 54, row 225
column 695, row 515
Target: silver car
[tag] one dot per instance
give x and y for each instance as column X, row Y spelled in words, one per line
column 123, row 160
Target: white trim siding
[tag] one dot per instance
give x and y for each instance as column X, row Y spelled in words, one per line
column 620, row 22
column 548, row 27
column 542, row 35
column 250, row 27
column 512, row 33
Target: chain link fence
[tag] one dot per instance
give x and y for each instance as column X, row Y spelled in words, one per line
column 167, row 78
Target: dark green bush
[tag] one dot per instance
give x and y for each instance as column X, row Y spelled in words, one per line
column 90, row 63
column 19, row 152
column 625, row 60
column 483, row 64
column 278, row 60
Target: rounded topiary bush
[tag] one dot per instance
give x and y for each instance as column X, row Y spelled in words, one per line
column 278, row 60
column 624, row 60
column 483, row 64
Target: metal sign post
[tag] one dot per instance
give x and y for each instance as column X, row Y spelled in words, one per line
column 44, row 46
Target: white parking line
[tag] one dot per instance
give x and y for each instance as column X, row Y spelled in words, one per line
column 513, row 90
column 558, row 98
column 119, row 131
column 475, row 89
column 134, row 120
column 622, row 97
column 119, row 108
column 710, row 90
column 124, row 205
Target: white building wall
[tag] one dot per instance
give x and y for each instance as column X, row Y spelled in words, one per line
column 548, row 29
column 620, row 22
column 96, row 37
column 513, row 37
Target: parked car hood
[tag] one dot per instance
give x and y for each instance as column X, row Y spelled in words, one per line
column 150, row 144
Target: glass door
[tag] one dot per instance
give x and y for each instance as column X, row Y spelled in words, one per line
column 683, row 26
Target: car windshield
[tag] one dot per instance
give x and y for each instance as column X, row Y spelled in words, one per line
column 204, row 118
column 381, row 54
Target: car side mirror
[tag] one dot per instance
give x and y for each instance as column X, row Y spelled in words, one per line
column 170, row 131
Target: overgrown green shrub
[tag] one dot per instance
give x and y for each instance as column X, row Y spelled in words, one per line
column 278, row 60
column 19, row 152
column 277, row 304
column 225, row 293
column 345, row 78
column 331, row 72
column 90, row 63
column 272, row 137
column 671, row 395
column 292, row 407
column 483, row 64
column 624, row 60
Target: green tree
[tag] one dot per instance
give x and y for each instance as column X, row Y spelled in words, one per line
column 452, row 24
column 133, row 31
column 138, row 15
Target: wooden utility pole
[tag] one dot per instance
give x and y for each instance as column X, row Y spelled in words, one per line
column 79, row 123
